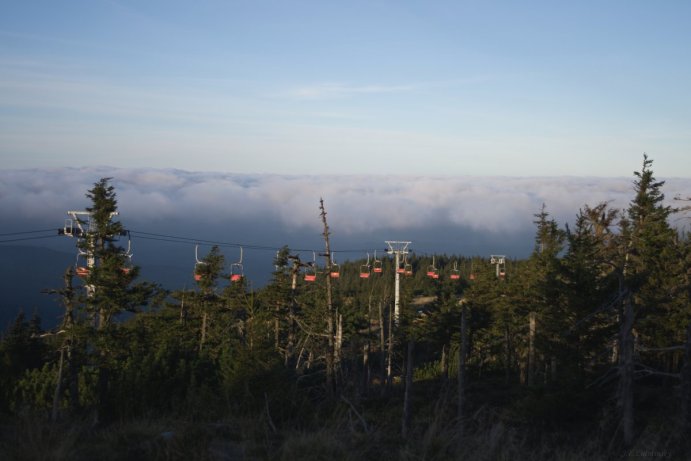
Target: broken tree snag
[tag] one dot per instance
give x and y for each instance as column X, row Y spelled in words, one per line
column 626, row 372
column 686, row 384
column 334, row 338
column 408, row 396
column 462, row 349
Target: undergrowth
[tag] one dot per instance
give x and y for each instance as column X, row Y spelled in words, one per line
column 352, row 428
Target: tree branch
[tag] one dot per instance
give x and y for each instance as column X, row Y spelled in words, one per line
column 660, row 349
column 352, row 407
column 648, row 371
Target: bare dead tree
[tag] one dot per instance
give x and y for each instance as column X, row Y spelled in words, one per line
column 462, row 352
column 408, row 394
column 333, row 334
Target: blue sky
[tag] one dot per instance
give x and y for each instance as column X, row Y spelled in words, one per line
column 382, row 87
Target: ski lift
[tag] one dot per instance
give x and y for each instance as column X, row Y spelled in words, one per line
column 127, row 268
column 198, row 265
column 407, row 267
column 364, row 269
column 311, row 276
column 236, row 270
column 472, row 274
column 502, row 273
column 408, row 270
column 335, row 271
column 311, row 270
column 71, row 228
column 68, row 228
column 455, row 273
column 377, row 267
column 401, row 267
column 432, row 272
column 82, row 270
column 404, row 267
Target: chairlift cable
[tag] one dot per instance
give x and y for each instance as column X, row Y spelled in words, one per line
column 28, row 238
column 27, row 232
column 192, row 240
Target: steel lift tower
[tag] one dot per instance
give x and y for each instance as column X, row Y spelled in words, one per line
column 499, row 261
column 397, row 248
column 81, row 226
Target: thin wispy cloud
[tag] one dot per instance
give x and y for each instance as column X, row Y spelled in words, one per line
column 339, row 90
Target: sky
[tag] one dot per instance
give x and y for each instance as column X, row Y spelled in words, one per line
column 430, row 88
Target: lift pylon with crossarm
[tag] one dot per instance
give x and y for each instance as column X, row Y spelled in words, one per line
column 499, row 261
column 397, row 248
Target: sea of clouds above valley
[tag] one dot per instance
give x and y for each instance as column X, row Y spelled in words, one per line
column 355, row 204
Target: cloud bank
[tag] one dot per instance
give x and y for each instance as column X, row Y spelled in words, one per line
column 356, row 205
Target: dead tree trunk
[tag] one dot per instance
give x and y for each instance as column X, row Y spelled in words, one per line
column 289, row 351
column 626, row 372
column 408, row 396
column 507, row 355
column 67, row 350
column 531, row 351
column 686, row 385
column 68, row 327
column 444, row 364
column 462, row 352
column 71, row 342
column 332, row 357
column 183, row 310
column 202, row 337
column 58, row 387
column 389, row 353
column 367, row 347
column 382, row 343
column 338, row 341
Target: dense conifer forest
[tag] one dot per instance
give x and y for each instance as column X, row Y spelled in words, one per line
column 581, row 351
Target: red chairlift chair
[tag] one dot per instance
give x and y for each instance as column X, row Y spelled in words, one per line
column 377, row 266
column 335, row 272
column 455, row 273
column 311, row 270
column 236, row 270
column 365, row 269
column 127, row 268
column 432, row 271
column 82, row 270
column 311, row 274
column 198, row 265
column 405, row 268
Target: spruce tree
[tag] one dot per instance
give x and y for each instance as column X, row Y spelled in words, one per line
column 653, row 265
column 110, row 286
column 589, row 279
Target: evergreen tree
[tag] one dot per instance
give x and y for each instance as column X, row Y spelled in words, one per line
column 110, row 287
column 653, row 268
column 589, row 279
column 21, row 350
column 207, row 301
column 545, row 288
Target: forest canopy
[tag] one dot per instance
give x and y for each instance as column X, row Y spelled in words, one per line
column 583, row 348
